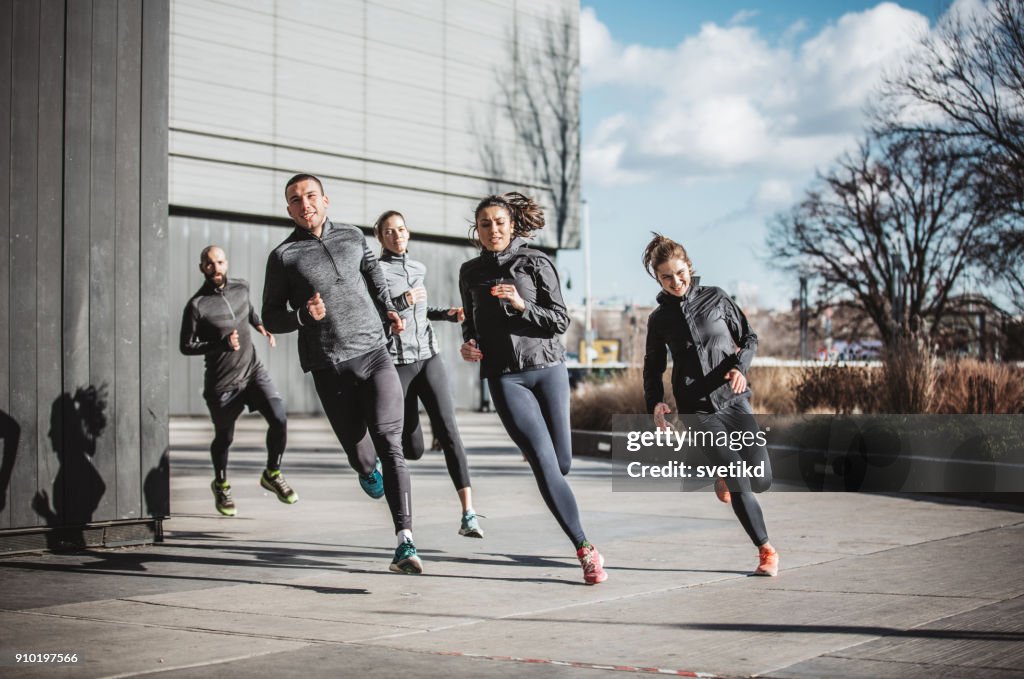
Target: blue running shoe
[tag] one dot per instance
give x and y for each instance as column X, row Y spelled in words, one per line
column 373, row 483
column 406, row 560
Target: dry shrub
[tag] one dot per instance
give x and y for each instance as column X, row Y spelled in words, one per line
column 908, row 378
column 971, row 386
column 593, row 403
column 911, row 382
column 836, row 388
column 774, row 388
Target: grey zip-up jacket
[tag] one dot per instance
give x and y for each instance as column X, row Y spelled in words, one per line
column 418, row 341
column 708, row 336
column 210, row 317
column 339, row 266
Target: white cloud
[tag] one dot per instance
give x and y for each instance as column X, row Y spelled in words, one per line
column 726, row 101
column 773, row 194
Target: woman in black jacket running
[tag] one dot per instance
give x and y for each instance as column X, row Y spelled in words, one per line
column 514, row 314
column 712, row 346
column 415, row 353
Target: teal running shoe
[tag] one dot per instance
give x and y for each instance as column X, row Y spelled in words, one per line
column 373, row 483
column 406, row 559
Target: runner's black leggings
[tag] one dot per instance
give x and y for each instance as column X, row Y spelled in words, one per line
column 427, row 381
column 738, row 416
column 364, row 395
column 534, row 407
column 260, row 395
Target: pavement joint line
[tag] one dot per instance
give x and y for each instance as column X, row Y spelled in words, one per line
column 182, row 628
column 580, row 665
column 175, row 668
column 919, row 663
column 274, row 615
column 901, row 594
column 550, row 609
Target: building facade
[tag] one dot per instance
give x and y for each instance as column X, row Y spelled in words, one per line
column 394, row 105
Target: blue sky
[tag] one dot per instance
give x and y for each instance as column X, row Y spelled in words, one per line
column 701, row 120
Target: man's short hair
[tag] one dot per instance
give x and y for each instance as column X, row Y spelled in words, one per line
column 206, row 251
column 301, row 177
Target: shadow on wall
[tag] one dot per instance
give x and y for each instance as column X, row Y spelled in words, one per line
column 156, row 489
column 76, row 422
column 10, row 435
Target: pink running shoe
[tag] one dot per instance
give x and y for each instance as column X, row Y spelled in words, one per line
column 769, row 562
column 722, row 491
column 593, row 564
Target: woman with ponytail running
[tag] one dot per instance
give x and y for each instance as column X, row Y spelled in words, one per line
column 514, row 315
column 712, row 346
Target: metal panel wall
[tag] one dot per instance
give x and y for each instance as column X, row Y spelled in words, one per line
column 84, row 91
column 380, row 98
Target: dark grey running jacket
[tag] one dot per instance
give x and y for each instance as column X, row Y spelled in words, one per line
column 513, row 341
column 708, row 336
column 339, row 266
column 210, row 317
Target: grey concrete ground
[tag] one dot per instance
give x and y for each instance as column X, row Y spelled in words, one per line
column 871, row 586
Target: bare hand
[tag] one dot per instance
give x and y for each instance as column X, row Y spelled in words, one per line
column 459, row 313
column 508, row 292
column 660, row 411
column 416, row 295
column 736, row 380
column 397, row 324
column 470, row 352
column 233, row 341
column 270, row 338
column 316, row 308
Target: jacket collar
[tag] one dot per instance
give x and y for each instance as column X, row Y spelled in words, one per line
column 666, row 299
column 300, row 233
column 211, row 289
column 388, row 256
column 503, row 257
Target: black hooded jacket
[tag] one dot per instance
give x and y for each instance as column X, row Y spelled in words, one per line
column 512, row 341
column 708, row 336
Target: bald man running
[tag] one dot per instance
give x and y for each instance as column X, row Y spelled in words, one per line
column 213, row 326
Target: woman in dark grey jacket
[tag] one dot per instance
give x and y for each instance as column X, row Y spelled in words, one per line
column 712, row 346
column 420, row 368
column 514, row 315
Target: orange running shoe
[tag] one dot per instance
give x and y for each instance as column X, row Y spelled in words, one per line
column 769, row 561
column 593, row 564
column 722, row 491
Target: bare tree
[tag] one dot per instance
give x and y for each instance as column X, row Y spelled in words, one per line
column 539, row 96
column 967, row 87
column 889, row 230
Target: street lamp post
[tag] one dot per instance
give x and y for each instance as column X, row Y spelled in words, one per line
column 587, row 308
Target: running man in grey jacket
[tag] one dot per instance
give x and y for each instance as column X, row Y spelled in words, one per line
column 324, row 282
column 214, row 326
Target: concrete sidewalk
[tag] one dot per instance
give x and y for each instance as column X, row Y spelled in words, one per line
column 870, row 586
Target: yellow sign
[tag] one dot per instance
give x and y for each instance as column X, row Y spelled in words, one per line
column 602, row 351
